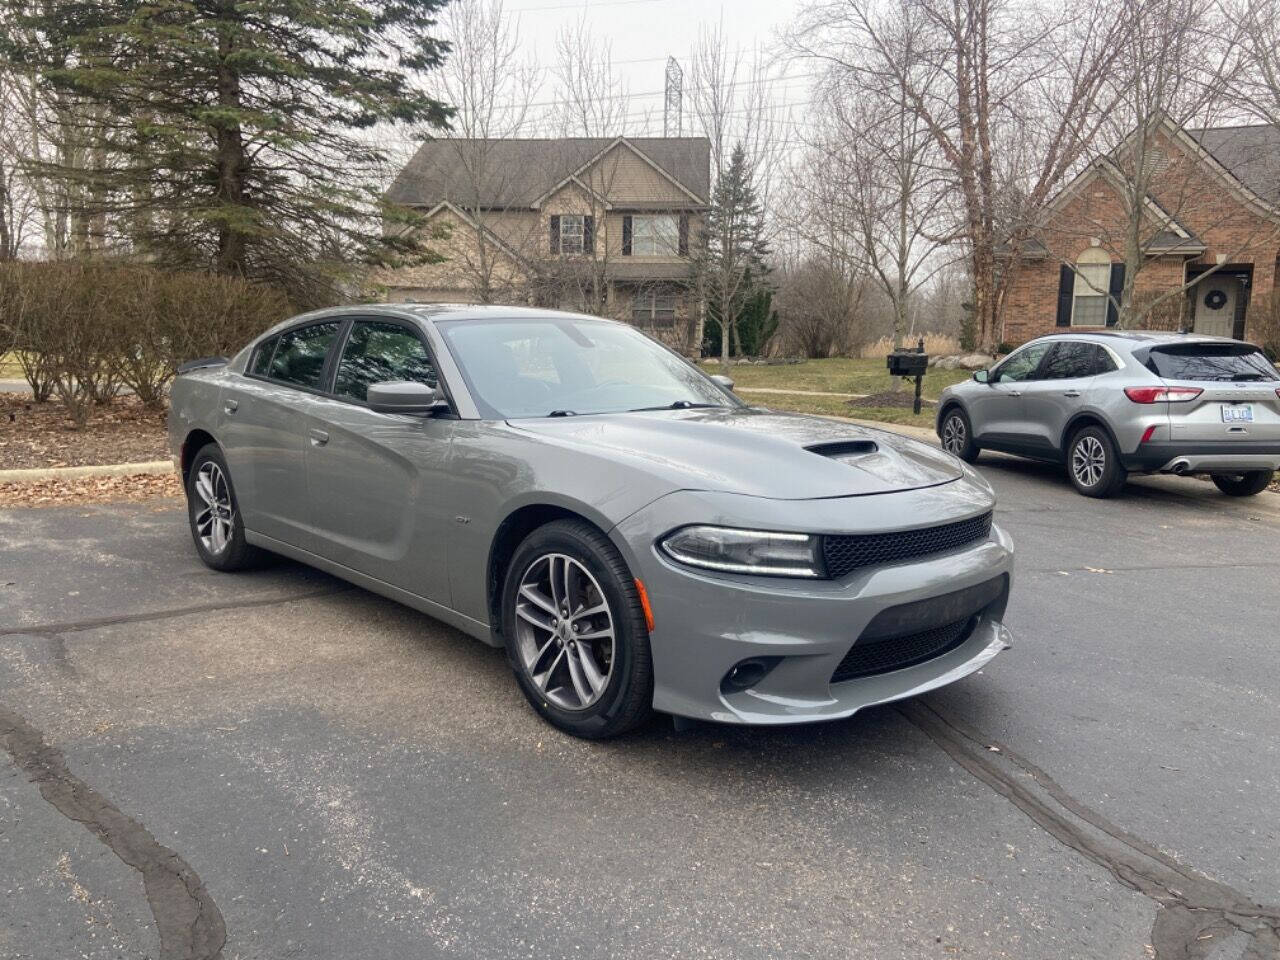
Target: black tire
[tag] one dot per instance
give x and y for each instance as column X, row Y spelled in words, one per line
column 1247, row 484
column 233, row 552
column 626, row 700
column 1099, row 473
column 956, row 434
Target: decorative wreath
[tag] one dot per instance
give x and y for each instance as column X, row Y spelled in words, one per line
column 1215, row 299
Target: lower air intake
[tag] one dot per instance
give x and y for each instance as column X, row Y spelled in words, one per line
column 869, row 657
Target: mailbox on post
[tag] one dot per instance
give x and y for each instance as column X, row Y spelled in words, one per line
column 910, row 363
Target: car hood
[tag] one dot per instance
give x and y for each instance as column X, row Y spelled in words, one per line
column 755, row 452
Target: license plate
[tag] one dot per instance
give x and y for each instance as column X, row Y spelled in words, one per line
column 1237, row 413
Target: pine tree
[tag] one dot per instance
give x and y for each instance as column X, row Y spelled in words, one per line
column 239, row 135
column 732, row 264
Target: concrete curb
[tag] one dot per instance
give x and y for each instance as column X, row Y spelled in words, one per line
column 71, row 473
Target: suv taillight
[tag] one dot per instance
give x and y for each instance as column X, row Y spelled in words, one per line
column 1162, row 394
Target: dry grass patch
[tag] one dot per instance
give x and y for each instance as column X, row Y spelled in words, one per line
column 61, row 492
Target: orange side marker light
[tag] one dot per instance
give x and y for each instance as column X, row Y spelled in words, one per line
column 644, row 604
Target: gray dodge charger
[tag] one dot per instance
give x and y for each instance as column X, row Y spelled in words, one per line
column 636, row 536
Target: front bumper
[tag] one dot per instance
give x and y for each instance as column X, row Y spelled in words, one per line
column 707, row 623
column 1204, row 456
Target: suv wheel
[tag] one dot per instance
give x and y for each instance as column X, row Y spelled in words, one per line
column 575, row 631
column 1093, row 464
column 1247, row 484
column 957, row 436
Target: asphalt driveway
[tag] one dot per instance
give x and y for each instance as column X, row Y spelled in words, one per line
column 275, row 765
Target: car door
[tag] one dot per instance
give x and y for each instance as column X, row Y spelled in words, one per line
column 264, row 425
column 1054, row 394
column 996, row 412
column 377, row 485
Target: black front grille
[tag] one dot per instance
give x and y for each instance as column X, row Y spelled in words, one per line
column 868, row 657
column 844, row 554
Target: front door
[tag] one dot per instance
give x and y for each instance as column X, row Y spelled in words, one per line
column 996, row 413
column 375, row 480
column 1216, row 298
column 264, row 426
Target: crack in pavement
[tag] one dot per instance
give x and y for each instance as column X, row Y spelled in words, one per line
column 189, row 922
column 76, row 626
column 1194, row 913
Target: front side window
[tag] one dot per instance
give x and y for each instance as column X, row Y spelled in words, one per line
column 299, row 357
column 656, row 235
column 1021, row 365
column 572, row 233
column 565, row 367
column 1089, row 298
column 377, row 352
column 654, row 308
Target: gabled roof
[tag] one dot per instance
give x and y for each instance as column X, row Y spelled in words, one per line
column 1251, row 153
column 466, row 218
column 518, row 172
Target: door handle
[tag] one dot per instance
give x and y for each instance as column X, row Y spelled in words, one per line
column 1072, row 393
column 319, row 438
column 231, row 406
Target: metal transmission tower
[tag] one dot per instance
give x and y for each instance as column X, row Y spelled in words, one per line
column 674, row 105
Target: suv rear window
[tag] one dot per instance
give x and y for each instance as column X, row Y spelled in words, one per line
column 1210, row 361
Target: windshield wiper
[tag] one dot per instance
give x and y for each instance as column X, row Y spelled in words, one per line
column 1235, row 377
column 676, row 405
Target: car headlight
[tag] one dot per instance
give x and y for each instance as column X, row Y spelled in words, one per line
column 730, row 550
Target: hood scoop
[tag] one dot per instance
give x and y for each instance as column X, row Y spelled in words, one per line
column 844, row 450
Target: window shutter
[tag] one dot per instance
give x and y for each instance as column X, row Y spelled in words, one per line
column 1066, row 287
column 1114, row 289
column 555, row 234
column 588, row 234
column 684, row 235
column 626, row 235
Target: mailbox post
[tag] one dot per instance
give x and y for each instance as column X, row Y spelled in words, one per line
column 910, row 363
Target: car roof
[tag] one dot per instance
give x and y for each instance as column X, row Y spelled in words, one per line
column 1135, row 338
column 429, row 311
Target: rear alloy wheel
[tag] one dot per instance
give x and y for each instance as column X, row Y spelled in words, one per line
column 1093, row 465
column 1247, row 484
column 214, row 515
column 957, row 436
column 576, row 633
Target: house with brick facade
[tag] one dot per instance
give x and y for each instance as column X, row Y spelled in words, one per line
column 599, row 225
column 1200, row 240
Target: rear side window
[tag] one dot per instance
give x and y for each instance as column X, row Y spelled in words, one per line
column 1102, row 361
column 299, row 358
column 377, row 352
column 261, row 361
column 1069, row 360
column 1210, row 361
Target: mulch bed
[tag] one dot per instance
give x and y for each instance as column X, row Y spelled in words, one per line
column 897, row 399
column 42, row 435
column 61, row 492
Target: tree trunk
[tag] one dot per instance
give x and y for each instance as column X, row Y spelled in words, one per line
column 232, row 161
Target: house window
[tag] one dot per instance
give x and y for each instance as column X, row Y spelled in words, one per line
column 656, row 235
column 654, row 308
column 1089, row 298
column 573, row 232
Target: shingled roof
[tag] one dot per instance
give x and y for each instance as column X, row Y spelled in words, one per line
column 1251, row 153
column 517, row 172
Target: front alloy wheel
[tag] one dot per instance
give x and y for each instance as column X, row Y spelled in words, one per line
column 957, row 438
column 576, row 632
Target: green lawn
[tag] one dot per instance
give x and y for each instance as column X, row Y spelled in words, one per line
column 839, row 375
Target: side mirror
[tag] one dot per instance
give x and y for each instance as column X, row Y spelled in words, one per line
column 982, row 376
column 722, row 380
column 407, row 397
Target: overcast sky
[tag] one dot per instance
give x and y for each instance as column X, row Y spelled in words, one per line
column 643, row 33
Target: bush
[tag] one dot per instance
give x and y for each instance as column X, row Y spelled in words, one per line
column 81, row 329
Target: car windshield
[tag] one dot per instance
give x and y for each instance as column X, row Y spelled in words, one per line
column 1210, row 361
column 572, row 367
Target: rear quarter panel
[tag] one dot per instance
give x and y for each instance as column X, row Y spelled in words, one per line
column 194, row 404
